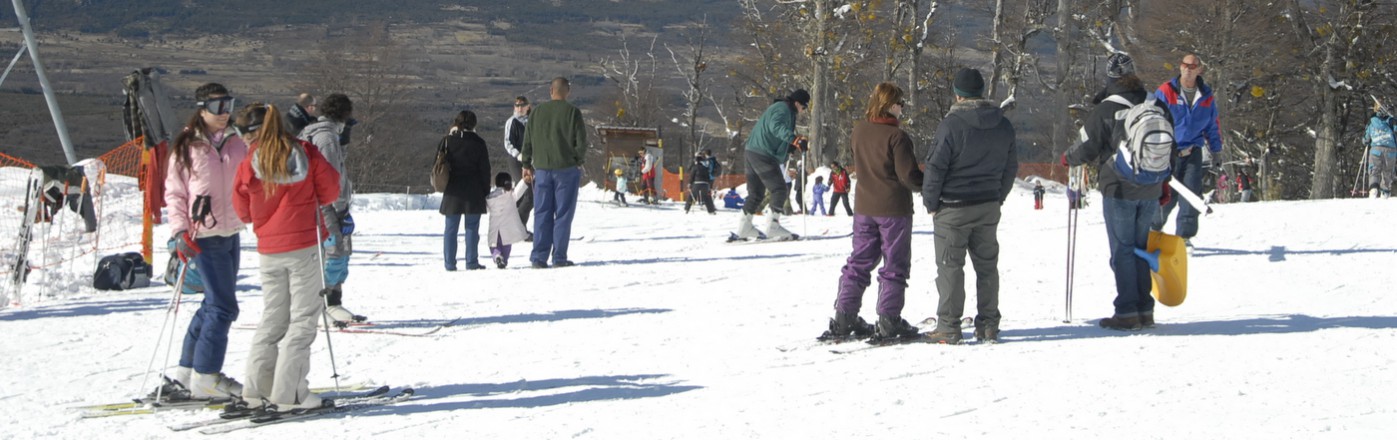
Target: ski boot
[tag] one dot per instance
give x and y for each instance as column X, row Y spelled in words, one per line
column 775, row 232
column 745, row 230
column 892, row 328
column 846, row 327
column 986, row 332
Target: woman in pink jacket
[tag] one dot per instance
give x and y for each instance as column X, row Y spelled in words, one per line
column 199, row 195
column 279, row 189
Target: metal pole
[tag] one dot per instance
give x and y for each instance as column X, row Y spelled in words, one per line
column 57, row 114
column 12, row 63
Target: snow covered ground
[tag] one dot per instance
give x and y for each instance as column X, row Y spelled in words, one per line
column 663, row 331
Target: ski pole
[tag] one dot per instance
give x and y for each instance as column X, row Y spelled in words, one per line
column 171, row 317
column 324, row 297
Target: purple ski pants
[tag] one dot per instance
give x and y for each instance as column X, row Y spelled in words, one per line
column 877, row 238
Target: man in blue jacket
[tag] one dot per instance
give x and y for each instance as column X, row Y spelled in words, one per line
column 1195, row 126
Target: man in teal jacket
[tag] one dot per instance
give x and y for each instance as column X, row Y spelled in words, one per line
column 555, row 145
column 768, row 147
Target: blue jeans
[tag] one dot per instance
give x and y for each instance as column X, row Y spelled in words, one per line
column 1188, row 171
column 206, row 341
column 555, row 202
column 1127, row 228
column 448, row 239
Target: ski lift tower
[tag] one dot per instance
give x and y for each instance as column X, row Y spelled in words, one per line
column 31, row 45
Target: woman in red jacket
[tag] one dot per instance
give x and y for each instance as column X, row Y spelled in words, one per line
column 839, row 181
column 279, row 189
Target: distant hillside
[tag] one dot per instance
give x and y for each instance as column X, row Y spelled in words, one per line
column 518, row 20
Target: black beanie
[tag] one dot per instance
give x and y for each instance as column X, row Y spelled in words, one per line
column 801, row 96
column 969, row 83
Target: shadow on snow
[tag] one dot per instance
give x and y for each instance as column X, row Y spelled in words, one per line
column 1254, row 326
column 1278, row 253
column 690, row 260
column 85, row 308
column 535, row 394
column 555, row 316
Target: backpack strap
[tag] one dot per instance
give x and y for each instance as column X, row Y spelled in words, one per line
column 1118, row 99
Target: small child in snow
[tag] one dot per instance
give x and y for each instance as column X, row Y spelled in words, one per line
column 819, row 192
column 620, row 196
column 505, row 226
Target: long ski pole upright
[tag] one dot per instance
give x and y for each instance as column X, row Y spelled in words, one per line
column 171, row 317
column 1076, row 182
column 324, row 293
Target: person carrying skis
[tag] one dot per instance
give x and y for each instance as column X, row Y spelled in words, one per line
column 768, row 146
column 1382, row 152
column 969, row 174
column 331, row 135
column 883, row 223
column 1190, row 101
column 199, row 191
column 279, row 189
column 1128, row 207
column 839, row 181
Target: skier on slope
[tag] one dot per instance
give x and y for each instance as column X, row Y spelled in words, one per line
column 198, row 189
column 1129, row 208
column 770, row 143
column 331, row 136
column 277, row 190
column 1382, row 152
column 883, row 222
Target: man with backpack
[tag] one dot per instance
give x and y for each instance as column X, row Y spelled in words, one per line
column 1195, row 118
column 1131, row 138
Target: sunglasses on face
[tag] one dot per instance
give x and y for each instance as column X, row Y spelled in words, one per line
column 1193, row 66
column 218, row 106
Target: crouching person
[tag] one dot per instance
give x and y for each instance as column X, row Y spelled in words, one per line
column 280, row 189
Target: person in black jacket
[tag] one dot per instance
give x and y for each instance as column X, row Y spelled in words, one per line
column 700, row 184
column 1129, row 208
column 465, row 189
column 513, row 141
column 969, row 173
column 302, row 113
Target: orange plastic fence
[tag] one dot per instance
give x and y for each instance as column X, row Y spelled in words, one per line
column 11, row 161
column 125, row 159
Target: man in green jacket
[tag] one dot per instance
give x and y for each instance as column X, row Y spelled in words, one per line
column 768, row 146
column 555, row 145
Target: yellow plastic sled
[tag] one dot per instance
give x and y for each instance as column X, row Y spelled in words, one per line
column 1168, row 261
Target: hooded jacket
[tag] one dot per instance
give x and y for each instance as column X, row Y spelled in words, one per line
column 888, row 173
column 286, row 220
column 211, row 171
column 973, row 157
column 1194, row 121
column 1097, row 148
column 326, row 137
column 774, row 132
column 1379, row 133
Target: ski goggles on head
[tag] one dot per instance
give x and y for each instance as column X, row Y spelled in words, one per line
column 218, row 106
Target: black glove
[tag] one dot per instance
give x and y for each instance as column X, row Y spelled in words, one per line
column 185, row 247
column 1218, row 159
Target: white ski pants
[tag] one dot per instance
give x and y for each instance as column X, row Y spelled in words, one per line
column 279, row 361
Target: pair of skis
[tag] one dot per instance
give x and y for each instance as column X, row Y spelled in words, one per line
column 148, row 405
column 239, row 420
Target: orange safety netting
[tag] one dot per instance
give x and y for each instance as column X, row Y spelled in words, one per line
column 124, row 160
column 11, row 161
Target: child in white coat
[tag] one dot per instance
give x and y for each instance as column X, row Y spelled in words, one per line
column 505, row 226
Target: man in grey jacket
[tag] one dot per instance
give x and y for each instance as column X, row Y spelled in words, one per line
column 331, row 135
column 969, row 173
column 513, row 141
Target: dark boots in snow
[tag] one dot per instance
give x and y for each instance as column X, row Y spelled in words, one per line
column 847, row 326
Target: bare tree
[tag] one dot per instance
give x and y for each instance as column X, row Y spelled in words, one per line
column 692, row 67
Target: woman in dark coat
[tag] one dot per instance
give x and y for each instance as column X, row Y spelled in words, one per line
column 465, row 189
